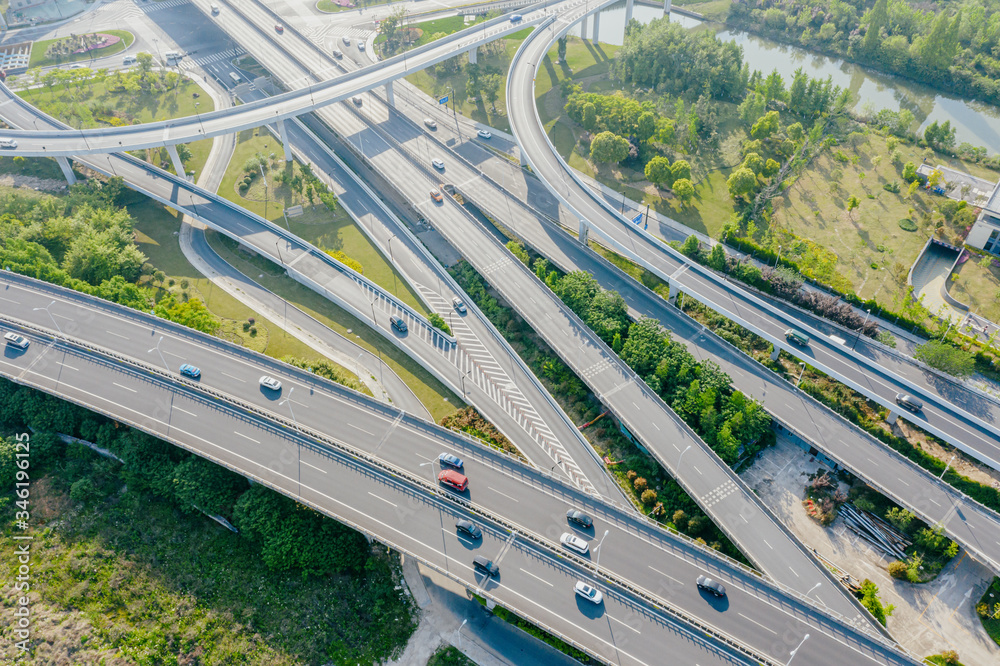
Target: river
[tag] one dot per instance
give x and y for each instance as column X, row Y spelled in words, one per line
column 975, row 122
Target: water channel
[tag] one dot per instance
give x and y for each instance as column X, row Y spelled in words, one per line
column 975, row 122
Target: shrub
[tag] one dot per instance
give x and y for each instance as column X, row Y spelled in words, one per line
column 640, row 484
column 246, row 326
column 648, row 497
column 906, row 224
column 898, row 570
column 253, row 331
column 631, row 474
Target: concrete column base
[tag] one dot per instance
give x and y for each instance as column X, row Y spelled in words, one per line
column 176, row 159
column 284, row 141
column 67, row 170
column 583, row 28
column 628, row 11
column 666, row 7
column 891, row 418
column 584, row 231
column 473, row 54
column 390, row 97
column 597, row 26
column 774, row 354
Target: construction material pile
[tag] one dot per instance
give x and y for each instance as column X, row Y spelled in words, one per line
column 875, row 531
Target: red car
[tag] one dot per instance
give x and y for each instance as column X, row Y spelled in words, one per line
column 450, row 477
column 279, row 28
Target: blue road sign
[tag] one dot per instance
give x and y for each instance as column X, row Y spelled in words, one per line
column 443, row 100
column 637, row 219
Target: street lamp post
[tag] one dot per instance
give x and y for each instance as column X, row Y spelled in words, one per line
column 946, row 467
column 460, row 634
column 682, row 455
column 795, row 651
column 264, row 178
column 813, row 588
column 279, row 253
column 861, row 330
column 288, row 399
column 597, row 550
column 777, row 258
column 157, row 350
column 46, row 308
column 802, row 372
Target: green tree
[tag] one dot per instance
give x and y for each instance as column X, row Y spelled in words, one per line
column 608, row 315
column 852, row 203
column 577, row 290
column 145, row 62
column 795, row 132
column 608, row 147
column 754, row 162
column 658, row 171
column 684, row 190
column 741, row 182
column 645, row 126
column 680, row 169
column 645, row 346
column 691, row 247
column 438, row 322
column 207, row 486
column 946, row 358
column 717, row 257
column 192, row 313
column 561, row 46
column 765, row 126
column 877, row 17
column 589, row 120
column 489, row 88
column 910, row 172
column 869, row 599
column 8, row 464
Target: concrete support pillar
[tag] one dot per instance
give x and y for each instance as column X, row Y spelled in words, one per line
column 666, row 8
column 521, row 157
column 672, row 297
column 628, row 11
column 176, row 159
column 774, row 354
column 584, row 231
column 891, row 418
column 389, row 96
column 473, row 54
column 583, row 28
column 67, row 170
column 284, row 140
column 597, row 26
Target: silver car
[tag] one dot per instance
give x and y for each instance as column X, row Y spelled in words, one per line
column 270, row 383
column 588, row 592
column 573, row 542
column 16, row 340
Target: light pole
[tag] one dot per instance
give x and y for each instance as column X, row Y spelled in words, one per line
column 288, row 399
column 197, row 113
column 861, row 330
column 279, row 253
column 795, row 651
column 777, row 258
column 813, row 588
column 803, row 371
column 946, row 467
column 157, row 350
column 264, row 178
column 682, row 455
column 597, row 551
column 395, row 287
column 46, row 308
column 460, row 634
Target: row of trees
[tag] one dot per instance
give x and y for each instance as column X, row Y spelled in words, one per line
column 289, row 535
column 701, row 393
column 952, row 49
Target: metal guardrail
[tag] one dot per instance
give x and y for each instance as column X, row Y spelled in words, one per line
column 285, row 426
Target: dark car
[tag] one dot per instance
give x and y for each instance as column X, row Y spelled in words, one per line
column 469, row 528
column 451, row 460
column 485, row 566
column 713, row 586
column 908, row 402
column 450, row 477
column 398, row 324
column 580, row 518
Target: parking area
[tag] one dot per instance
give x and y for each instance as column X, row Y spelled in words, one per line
column 929, row 618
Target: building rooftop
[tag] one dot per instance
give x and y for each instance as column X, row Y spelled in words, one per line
column 979, row 191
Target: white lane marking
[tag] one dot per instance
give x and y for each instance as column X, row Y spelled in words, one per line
column 69, row 367
column 757, row 623
column 655, row 426
column 124, row 387
column 313, row 466
column 667, row 575
column 231, row 377
column 246, row 437
column 903, row 482
column 767, row 544
column 185, row 411
column 359, row 428
column 118, row 335
column 935, row 501
column 392, row 504
column 536, row 577
column 9, row 301
column 624, row 625
column 794, row 572
column 500, row 493
column 696, row 469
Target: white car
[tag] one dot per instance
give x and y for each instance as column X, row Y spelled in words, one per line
column 573, row 542
column 270, row 383
column 347, row 41
column 361, row 46
column 483, row 134
column 17, row 340
column 438, row 164
column 588, row 592
column 458, row 305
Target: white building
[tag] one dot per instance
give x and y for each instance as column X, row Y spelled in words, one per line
column 985, row 233
column 27, row 4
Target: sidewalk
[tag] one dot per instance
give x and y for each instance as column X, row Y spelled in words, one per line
column 485, row 638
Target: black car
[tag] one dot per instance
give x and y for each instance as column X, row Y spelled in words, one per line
column 907, row 401
column 469, row 528
column 580, row 518
column 713, row 586
column 485, row 566
column 398, row 324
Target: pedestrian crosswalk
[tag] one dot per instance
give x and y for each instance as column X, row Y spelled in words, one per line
column 319, row 34
column 122, row 9
column 208, row 60
column 150, row 7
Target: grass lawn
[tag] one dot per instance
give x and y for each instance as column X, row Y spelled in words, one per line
column 128, row 578
column 156, row 235
column 715, row 10
column 38, row 49
column 438, row 399
column 249, row 64
column 75, row 106
column 449, row 656
column 867, row 251
column 978, row 285
column 36, row 167
column 329, row 231
column 991, row 598
column 437, row 80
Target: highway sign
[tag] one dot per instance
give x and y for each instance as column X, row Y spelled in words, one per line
column 637, row 219
column 443, row 100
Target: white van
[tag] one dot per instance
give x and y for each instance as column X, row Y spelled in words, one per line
column 235, row 78
column 172, row 55
column 10, row 144
column 215, row 10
